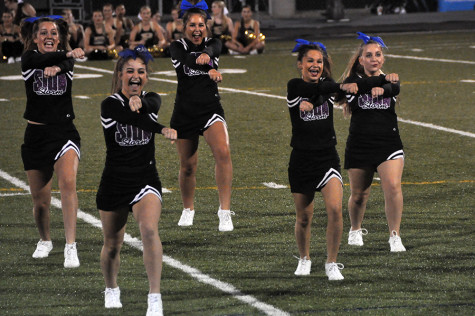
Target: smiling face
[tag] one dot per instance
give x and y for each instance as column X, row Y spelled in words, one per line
column 311, row 66
column 47, row 37
column 107, row 11
column 133, row 77
column 372, row 59
column 195, row 28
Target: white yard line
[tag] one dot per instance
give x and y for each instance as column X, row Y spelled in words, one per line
column 422, row 124
column 137, row 243
column 443, row 60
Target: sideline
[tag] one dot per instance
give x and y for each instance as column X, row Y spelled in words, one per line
column 422, row 124
column 137, row 244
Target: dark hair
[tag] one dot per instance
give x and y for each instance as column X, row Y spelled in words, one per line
column 246, row 6
column 29, row 30
column 190, row 12
column 327, row 62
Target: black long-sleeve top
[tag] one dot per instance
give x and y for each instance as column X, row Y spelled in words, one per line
column 129, row 135
column 48, row 99
column 373, row 117
column 196, row 92
column 312, row 130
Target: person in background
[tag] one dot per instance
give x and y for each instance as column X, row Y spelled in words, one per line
column 198, row 111
column 373, row 142
column 221, row 25
column 174, row 27
column 124, row 26
column 147, row 32
column 21, row 10
column 11, row 46
column 246, row 38
column 51, row 142
column 314, row 162
column 98, row 38
column 75, row 30
column 130, row 181
column 108, row 14
column 157, row 17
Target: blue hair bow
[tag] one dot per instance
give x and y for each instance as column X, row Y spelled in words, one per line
column 301, row 42
column 139, row 51
column 34, row 18
column 367, row 38
column 185, row 6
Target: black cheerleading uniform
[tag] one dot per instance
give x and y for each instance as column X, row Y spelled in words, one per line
column 98, row 39
column 314, row 159
column 11, row 48
column 130, row 172
column 197, row 103
column 48, row 102
column 241, row 35
column 373, row 133
column 149, row 35
column 223, row 34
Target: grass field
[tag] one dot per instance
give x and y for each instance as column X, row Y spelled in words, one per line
column 250, row 270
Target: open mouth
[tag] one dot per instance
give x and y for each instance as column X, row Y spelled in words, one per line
column 49, row 44
column 197, row 35
column 135, row 83
column 314, row 71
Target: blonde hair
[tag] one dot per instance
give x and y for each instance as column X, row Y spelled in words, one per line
column 222, row 5
column 354, row 68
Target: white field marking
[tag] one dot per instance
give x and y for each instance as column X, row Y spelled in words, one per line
column 468, row 81
column 274, row 185
column 84, row 97
column 417, row 50
column 432, row 59
column 428, row 125
column 13, row 194
column 376, row 178
column 436, row 127
column 4, row 100
column 239, row 57
column 165, row 190
column 137, row 243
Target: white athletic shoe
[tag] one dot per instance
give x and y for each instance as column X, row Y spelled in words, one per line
column 395, row 242
column 71, row 259
column 332, row 270
column 355, row 237
column 112, row 298
column 304, row 266
column 155, row 307
column 11, row 60
column 43, row 249
column 225, row 220
column 186, row 218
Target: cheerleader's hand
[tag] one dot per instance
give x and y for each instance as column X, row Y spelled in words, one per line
column 377, row 91
column 51, row 71
column 203, row 59
column 169, row 133
column 393, row 78
column 135, row 104
column 76, row 53
column 215, row 75
column 349, row 87
column 305, row 106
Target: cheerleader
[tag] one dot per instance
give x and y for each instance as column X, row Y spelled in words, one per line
column 373, row 143
column 246, row 34
column 51, row 142
column 130, row 181
column 314, row 163
column 198, row 111
column 221, row 25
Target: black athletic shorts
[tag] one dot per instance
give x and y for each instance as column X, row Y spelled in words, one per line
column 189, row 126
column 310, row 171
column 45, row 144
column 363, row 153
column 124, row 187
